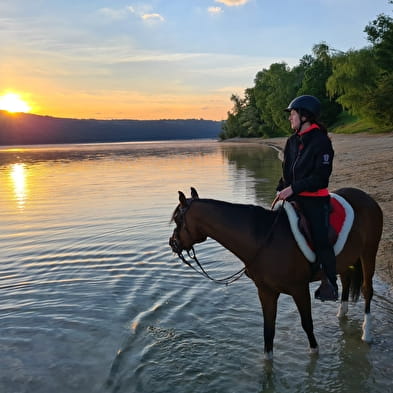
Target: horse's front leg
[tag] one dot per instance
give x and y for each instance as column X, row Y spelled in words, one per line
column 302, row 299
column 268, row 300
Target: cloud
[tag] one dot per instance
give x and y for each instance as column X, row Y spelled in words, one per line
column 215, row 10
column 153, row 17
column 141, row 12
column 232, row 3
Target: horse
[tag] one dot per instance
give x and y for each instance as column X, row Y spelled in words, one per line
column 263, row 241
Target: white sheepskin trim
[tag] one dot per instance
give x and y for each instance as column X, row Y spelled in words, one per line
column 347, row 225
column 300, row 239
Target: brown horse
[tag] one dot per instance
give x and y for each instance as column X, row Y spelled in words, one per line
column 263, row 240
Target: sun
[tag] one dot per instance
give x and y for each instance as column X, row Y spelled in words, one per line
column 12, row 102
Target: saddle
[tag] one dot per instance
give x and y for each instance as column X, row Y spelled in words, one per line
column 304, row 225
column 341, row 220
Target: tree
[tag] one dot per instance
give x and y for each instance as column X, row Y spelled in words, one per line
column 317, row 70
column 353, row 81
column 274, row 89
column 232, row 126
column 363, row 80
column 380, row 34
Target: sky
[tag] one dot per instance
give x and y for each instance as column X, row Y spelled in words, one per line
column 162, row 59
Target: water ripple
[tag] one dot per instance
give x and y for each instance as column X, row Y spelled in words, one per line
column 92, row 299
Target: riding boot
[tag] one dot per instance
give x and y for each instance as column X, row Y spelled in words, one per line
column 328, row 289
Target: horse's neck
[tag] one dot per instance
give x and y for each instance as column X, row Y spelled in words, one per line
column 239, row 228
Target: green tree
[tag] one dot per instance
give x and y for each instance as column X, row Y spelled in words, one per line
column 274, row 88
column 317, row 70
column 380, row 34
column 244, row 119
column 250, row 118
column 232, row 126
column 353, row 81
column 362, row 80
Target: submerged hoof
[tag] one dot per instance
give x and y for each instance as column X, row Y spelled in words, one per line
column 268, row 356
column 314, row 351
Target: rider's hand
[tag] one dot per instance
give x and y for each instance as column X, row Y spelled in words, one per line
column 285, row 193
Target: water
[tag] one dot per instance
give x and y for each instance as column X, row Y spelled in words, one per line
column 93, row 300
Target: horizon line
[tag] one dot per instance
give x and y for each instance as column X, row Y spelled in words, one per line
column 111, row 119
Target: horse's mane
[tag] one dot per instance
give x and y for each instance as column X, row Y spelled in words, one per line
column 174, row 214
column 262, row 218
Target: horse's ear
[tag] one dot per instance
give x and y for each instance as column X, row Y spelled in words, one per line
column 182, row 199
column 194, row 194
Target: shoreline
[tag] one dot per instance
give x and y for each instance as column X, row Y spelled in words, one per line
column 363, row 161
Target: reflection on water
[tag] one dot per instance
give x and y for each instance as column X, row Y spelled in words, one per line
column 18, row 176
column 92, row 299
column 258, row 161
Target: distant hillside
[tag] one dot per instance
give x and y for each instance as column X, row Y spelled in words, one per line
column 28, row 129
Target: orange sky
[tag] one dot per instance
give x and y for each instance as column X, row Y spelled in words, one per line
column 161, row 59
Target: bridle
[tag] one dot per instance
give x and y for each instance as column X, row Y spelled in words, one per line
column 174, row 242
column 180, row 219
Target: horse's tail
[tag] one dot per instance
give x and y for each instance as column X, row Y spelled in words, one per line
column 356, row 277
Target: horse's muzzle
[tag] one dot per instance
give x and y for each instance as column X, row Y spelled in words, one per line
column 175, row 244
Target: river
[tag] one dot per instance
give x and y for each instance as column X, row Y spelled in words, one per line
column 93, row 300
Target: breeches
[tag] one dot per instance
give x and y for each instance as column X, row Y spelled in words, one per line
column 316, row 210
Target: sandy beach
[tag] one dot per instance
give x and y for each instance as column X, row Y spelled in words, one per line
column 364, row 161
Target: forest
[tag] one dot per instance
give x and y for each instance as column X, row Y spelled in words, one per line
column 357, row 84
column 29, row 129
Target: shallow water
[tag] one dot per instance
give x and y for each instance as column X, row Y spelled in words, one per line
column 93, row 300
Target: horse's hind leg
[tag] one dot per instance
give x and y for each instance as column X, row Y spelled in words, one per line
column 368, row 267
column 303, row 303
column 345, row 283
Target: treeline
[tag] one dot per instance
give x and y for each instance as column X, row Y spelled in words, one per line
column 29, row 129
column 357, row 81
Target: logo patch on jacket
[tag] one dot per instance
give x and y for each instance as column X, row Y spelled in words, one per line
column 326, row 159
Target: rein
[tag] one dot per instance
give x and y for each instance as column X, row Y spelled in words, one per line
column 226, row 281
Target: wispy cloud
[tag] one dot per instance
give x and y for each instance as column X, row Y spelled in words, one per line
column 215, row 10
column 141, row 12
column 153, row 17
column 232, row 3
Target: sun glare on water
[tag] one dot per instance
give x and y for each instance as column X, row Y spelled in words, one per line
column 12, row 102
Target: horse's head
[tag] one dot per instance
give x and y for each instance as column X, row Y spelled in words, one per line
column 185, row 235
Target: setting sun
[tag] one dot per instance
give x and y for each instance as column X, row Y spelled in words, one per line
column 12, row 102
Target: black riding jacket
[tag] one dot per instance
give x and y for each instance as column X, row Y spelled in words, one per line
column 308, row 159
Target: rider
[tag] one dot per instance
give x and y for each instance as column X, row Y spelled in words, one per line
column 307, row 166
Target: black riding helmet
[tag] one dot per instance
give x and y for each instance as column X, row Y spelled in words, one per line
column 305, row 103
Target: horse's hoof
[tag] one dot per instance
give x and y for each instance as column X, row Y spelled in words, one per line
column 367, row 339
column 367, row 336
column 343, row 309
column 269, row 356
column 314, row 351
